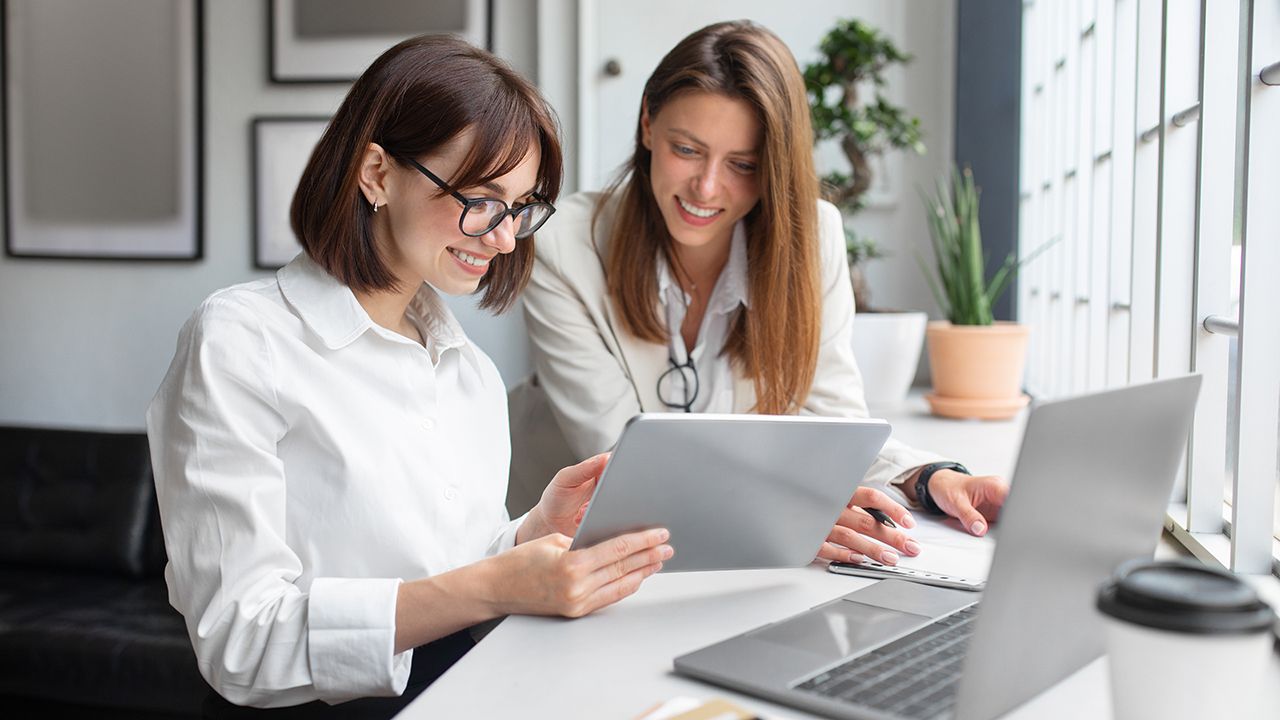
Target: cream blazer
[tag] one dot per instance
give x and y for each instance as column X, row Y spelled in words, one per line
column 590, row 376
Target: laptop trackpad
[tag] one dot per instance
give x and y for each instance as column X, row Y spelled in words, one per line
column 839, row 629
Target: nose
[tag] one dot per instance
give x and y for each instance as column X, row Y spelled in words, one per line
column 706, row 181
column 503, row 236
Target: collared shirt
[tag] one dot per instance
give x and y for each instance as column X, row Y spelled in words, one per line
column 306, row 460
column 713, row 368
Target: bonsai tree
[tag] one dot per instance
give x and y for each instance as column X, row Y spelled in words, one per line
column 959, row 281
column 854, row 54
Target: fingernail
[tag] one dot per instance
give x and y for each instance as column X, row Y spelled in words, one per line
column 889, row 557
column 912, row 547
column 908, row 521
column 978, row 527
column 667, row 552
column 664, row 535
column 657, row 568
column 856, row 557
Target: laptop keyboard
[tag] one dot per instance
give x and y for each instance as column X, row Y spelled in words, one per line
column 890, row 677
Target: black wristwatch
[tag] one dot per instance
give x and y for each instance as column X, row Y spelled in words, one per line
column 922, row 484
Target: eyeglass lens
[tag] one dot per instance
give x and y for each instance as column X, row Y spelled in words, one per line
column 484, row 215
column 678, row 386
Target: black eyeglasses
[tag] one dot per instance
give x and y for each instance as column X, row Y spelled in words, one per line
column 481, row 215
column 678, row 386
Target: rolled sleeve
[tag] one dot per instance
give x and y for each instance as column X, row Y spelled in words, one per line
column 351, row 639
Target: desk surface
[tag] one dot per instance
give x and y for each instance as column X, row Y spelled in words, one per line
column 617, row 663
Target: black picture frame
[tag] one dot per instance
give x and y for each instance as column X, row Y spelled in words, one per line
column 339, row 60
column 115, row 240
column 279, row 147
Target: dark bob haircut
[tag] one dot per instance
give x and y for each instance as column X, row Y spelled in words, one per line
column 413, row 99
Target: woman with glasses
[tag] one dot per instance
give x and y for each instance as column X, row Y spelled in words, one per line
column 331, row 450
column 710, row 278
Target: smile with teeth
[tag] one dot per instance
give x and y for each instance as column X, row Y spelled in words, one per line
column 696, row 211
column 468, row 258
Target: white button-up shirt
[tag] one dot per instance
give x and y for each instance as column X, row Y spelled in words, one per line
column 306, row 460
column 713, row 367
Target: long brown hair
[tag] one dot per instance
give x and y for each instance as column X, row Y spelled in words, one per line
column 777, row 345
column 414, row 98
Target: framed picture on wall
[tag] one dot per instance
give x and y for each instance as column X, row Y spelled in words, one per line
column 333, row 41
column 281, row 147
column 102, row 129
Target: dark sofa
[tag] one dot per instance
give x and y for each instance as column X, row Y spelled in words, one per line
column 85, row 622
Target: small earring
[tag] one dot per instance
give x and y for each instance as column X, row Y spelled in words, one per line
column 375, row 205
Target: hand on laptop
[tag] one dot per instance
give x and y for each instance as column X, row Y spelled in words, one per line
column 858, row 535
column 974, row 500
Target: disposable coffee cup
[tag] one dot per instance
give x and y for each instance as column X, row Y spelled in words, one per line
column 1185, row 641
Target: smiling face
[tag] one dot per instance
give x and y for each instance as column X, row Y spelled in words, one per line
column 417, row 231
column 705, row 162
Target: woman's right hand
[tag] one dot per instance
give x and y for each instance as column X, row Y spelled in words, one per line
column 545, row 577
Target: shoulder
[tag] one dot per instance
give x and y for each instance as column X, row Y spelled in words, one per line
column 567, row 238
column 831, row 232
column 830, row 222
column 236, row 314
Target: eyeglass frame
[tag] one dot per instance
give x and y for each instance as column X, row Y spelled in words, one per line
column 676, row 367
column 468, row 203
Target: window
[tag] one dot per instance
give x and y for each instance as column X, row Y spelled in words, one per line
column 1149, row 155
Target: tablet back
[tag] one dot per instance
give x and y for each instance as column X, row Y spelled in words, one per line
column 736, row 491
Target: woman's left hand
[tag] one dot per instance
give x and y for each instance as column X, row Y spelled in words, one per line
column 974, row 500
column 857, row 534
column 564, row 501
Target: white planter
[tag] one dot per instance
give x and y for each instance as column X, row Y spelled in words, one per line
column 887, row 348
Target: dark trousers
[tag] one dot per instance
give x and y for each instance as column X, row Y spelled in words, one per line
column 429, row 662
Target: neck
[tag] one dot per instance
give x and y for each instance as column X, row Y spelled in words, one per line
column 702, row 264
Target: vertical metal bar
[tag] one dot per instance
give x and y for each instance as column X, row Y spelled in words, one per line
column 1252, row 518
column 1216, row 200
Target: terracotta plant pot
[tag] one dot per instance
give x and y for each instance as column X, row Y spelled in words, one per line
column 977, row 369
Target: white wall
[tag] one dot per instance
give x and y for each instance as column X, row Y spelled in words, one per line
column 85, row 344
column 927, row 92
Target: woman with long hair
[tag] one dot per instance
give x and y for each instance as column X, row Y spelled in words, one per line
column 710, row 277
column 331, row 450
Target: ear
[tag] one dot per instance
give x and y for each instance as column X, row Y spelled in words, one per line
column 375, row 174
column 646, row 131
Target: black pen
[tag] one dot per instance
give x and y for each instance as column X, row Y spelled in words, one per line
column 880, row 516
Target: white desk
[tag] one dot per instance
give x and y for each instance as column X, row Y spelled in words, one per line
column 617, row 663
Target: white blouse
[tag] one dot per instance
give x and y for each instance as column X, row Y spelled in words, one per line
column 306, row 460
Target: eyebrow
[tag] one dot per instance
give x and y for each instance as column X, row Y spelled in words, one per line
column 496, row 187
column 695, row 139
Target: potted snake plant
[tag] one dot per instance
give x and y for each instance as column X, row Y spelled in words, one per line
column 976, row 362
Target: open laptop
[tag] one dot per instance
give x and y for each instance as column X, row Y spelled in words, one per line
column 708, row 477
column 1089, row 491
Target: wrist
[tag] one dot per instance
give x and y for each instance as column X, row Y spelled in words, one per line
column 433, row 607
column 533, row 527
column 926, row 476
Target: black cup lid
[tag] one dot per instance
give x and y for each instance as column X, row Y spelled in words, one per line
column 1183, row 596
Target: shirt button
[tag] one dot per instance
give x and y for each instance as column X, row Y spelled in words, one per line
column 450, row 494
column 428, row 424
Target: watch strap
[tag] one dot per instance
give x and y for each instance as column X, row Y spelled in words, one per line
column 922, row 484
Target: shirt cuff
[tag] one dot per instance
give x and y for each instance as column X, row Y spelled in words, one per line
column 351, row 639
column 506, row 538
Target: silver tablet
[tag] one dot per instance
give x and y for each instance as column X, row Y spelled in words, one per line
column 736, row 491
